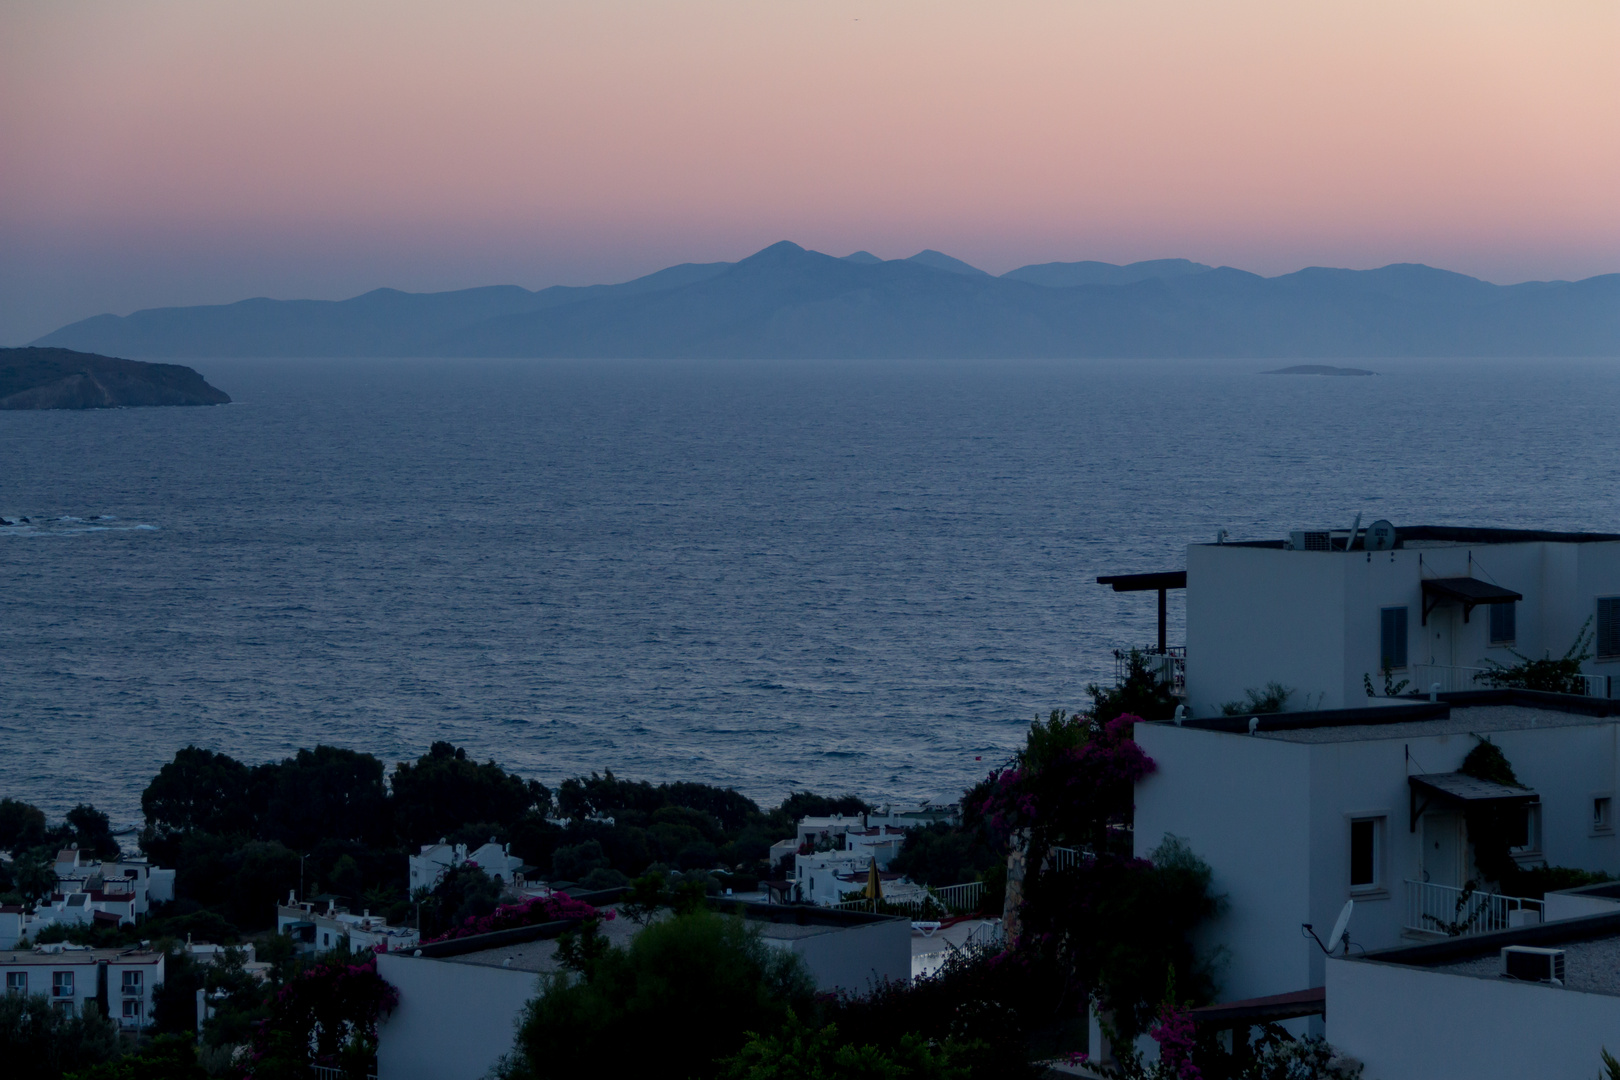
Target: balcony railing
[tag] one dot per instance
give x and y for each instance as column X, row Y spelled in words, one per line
column 1170, row 665
column 1451, row 678
column 1454, row 912
column 964, row 899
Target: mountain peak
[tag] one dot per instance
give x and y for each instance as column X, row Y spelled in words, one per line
column 938, row 260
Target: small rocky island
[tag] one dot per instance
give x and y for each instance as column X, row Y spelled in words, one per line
column 1318, row 369
column 64, row 379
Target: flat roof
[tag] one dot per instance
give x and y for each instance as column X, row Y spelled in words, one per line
column 1591, row 952
column 1454, row 714
column 1438, row 536
column 534, row 948
column 68, row 957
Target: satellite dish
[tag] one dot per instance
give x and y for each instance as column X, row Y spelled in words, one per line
column 1380, row 536
column 1341, row 927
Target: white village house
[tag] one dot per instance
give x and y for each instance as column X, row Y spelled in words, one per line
column 314, row 928
column 428, row 867
column 1312, row 809
column 460, row 1000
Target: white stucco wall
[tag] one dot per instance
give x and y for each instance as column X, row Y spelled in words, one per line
column 453, row 1022
column 1563, row 905
column 1408, row 1023
column 855, row 959
column 1242, row 806
column 1310, row 619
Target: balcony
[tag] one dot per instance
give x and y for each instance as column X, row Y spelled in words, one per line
column 1451, row 678
column 1169, row 664
column 1452, row 912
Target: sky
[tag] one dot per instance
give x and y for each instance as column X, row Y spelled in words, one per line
column 164, row 152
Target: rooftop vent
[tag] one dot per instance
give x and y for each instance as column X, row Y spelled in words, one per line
column 1533, row 965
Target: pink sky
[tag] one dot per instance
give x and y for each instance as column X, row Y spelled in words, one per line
column 197, row 152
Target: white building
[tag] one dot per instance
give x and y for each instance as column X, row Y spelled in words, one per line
column 1432, row 604
column 459, row 1001
column 120, row 980
column 826, row 877
column 428, row 867
column 130, row 885
column 314, row 929
column 1313, row 809
column 1447, row 1009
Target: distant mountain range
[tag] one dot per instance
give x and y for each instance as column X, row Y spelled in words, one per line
column 786, row 301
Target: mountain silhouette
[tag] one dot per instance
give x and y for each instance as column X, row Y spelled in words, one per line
column 785, row 301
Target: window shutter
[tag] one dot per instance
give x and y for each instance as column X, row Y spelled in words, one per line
column 1608, row 626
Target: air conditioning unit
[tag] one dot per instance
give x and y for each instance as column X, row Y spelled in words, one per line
column 1533, row 965
column 1309, row 541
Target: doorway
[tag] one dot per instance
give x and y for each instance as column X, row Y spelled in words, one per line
column 1443, row 848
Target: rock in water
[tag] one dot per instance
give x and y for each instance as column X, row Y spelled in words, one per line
column 64, row 379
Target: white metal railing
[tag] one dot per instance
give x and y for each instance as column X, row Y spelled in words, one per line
column 1063, row 858
column 327, row 1072
column 1170, row 665
column 1451, row 677
column 1454, row 912
column 951, row 899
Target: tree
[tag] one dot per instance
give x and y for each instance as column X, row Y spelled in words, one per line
column 800, row 1053
column 92, row 832
column 39, row 1042
column 1561, row 676
column 327, row 1015
column 693, row 985
column 327, row 793
column 463, row 893
column 1141, row 693
column 33, row 878
column 199, row 789
column 21, row 826
column 167, row 1057
column 446, row 790
column 1122, row 930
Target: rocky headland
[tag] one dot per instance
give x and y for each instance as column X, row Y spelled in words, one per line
column 63, row 379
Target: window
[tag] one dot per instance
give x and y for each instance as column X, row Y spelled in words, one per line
column 1524, row 830
column 65, row 1008
column 1603, row 814
column 16, row 982
column 62, row 984
column 1364, row 853
column 1504, row 618
column 1392, row 638
column 132, row 983
column 1608, row 626
column 132, row 1009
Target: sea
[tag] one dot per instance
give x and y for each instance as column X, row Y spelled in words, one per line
column 836, row 576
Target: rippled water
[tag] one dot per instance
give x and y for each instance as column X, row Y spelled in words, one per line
column 844, row 576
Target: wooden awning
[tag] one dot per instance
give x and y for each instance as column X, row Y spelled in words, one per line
column 1460, row 789
column 1160, row 582
column 1164, row 579
column 1467, row 591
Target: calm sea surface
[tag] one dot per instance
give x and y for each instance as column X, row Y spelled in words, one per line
column 859, row 577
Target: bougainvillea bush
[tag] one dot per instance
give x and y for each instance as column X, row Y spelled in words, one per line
column 327, row 1015
column 531, row 912
column 1072, row 785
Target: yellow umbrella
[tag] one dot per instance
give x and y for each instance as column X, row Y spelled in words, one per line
column 874, row 887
